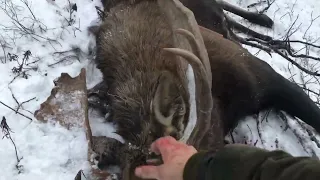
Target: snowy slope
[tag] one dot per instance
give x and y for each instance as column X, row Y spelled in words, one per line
column 51, row 152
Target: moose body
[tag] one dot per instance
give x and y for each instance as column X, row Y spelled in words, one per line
column 147, row 87
column 243, row 85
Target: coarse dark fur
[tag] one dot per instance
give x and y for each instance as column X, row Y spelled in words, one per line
column 129, row 44
column 209, row 14
column 134, row 67
column 244, row 84
column 131, row 60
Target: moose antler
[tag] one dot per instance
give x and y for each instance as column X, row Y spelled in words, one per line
column 192, row 49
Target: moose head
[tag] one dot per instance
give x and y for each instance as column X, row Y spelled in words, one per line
column 144, row 51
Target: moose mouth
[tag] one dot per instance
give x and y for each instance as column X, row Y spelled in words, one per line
column 137, row 157
column 143, row 156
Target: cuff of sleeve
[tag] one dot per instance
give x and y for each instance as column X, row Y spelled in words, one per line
column 221, row 164
column 193, row 166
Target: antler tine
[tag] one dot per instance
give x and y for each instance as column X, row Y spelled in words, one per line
column 192, row 49
column 203, row 97
column 191, row 39
column 180, row 17
column 195, row 62
column 167, row 121
column 194, row 45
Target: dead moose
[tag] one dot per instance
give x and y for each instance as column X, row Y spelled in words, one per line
column 143, row 52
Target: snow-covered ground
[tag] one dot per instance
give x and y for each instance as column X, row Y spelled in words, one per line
column 48, row 151
column 301, row 20
column 50, row 33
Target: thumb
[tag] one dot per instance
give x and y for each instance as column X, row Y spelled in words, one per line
column 147, row 172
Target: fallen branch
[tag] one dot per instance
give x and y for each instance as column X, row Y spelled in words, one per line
column 20, row 104
column 259, row 131
column 73, row 54
column 285, row 119
column 311, row 134
column 287, row 48
column 15, row 111
column 10, row 10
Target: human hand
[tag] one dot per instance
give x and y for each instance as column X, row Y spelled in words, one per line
column 174, row 155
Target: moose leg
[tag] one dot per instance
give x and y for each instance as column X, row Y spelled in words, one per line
column 233, row 24
column 261, row 19
column 99, row 90
column 210, row 15
column 97, row 98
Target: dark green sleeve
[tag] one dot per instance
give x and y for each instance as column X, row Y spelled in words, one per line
column 241, row 162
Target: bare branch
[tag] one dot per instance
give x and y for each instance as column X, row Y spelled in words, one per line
column 312, row 20
column 11, row 11
column 15, row 111
column 20, row 104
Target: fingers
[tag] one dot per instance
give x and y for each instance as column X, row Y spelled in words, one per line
column 147, row 172
column 166, row 146
column 163, row 145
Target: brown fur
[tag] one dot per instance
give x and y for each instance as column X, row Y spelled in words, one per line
column 130, row 56
column 243, row 85
column 138, row 51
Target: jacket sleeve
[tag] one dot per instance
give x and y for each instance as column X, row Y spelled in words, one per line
column 241, row 162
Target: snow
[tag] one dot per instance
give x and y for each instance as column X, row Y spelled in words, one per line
column 50, row 151
column 100, row 128
column 284, row 13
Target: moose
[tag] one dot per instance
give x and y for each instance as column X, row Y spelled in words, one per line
column 209, row 14
column 144, row 51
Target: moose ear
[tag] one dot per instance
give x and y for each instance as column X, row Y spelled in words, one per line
column 163, row 104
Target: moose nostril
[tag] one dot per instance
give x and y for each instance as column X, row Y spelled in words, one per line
column 101, row 165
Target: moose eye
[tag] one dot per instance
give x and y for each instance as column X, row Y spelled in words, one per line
column 180, row 110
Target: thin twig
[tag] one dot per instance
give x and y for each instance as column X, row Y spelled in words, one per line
column 20, row 104
column 15, row 111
